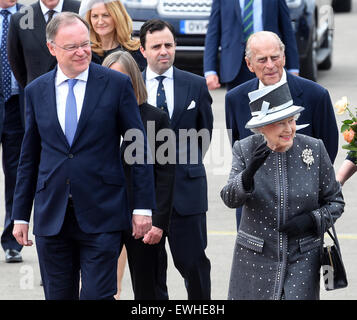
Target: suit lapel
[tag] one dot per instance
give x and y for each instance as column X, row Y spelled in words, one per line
column 49, row 98
column 96, row 83
column 181, row 88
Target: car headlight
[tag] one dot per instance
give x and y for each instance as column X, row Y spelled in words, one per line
column 140, row 3
column 294, row 3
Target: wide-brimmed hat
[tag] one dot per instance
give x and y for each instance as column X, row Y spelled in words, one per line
column 271, row 104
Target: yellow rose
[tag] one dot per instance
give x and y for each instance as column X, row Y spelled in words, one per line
column 341, row 105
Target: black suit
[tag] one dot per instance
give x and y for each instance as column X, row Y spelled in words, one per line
column 27, row 50
column 188, row 231
column 145, row 261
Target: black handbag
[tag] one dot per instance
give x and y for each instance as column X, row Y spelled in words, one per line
column 333, row 269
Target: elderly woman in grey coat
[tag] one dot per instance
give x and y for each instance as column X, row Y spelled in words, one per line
column 286, row 185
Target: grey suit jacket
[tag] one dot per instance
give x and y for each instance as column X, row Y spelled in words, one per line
column 27, row 50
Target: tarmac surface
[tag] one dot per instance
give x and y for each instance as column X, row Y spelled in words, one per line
column 21, row 281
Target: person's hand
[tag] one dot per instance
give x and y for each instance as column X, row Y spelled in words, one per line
column 258, row 158
column 141, row 225
column 299, row 225
column 20, row 232
column 153, row 236
column 212, row 81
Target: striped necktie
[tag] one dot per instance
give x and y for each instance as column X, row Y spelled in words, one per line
column 248, row 25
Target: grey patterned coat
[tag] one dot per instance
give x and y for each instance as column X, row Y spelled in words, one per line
column 267, row 264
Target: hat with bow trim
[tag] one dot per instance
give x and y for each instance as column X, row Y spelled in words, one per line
column 271, row 104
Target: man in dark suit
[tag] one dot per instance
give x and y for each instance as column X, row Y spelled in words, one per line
column 73, row 171
column 231, row 22
column 266, row 58
column 28, row 54
column 11, row 131
column 185, row 97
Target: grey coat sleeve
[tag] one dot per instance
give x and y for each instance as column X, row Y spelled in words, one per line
column 233, row 193
column 330, row 193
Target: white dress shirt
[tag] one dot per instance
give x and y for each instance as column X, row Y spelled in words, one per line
column 152, row 84
column 61, row 87
column 57, row 8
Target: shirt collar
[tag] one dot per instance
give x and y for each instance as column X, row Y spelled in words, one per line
column 12, row 9
column 169, row 73
column 61, row 77
column 282, row 80
column 57, row 8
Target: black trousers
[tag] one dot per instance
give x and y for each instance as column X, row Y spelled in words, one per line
column 148, row 266
column 188, row 241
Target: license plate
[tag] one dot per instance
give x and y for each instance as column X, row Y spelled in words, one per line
column 193, row 26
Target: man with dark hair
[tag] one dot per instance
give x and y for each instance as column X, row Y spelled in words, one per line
column 70, row 165
column 185, row 97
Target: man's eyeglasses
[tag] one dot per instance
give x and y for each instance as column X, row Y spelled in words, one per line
column 73, row 47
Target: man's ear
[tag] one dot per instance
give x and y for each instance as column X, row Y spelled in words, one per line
column 50, row 47
column 142, row 50
column 249, row 65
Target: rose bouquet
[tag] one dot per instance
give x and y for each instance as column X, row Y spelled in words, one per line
column 349, row 126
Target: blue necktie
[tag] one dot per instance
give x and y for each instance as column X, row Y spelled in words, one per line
column 161, row 97
column 71, row 112
column 248, row 26
column 6, row 71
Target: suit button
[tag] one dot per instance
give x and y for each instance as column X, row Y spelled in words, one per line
column 70, row 156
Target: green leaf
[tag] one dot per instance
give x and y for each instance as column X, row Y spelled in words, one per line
column 344, row 127
column 348, row 121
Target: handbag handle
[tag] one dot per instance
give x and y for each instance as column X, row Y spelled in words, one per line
column 333, row 237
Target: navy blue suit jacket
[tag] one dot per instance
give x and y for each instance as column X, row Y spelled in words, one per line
column 318, row 113
column 225, row 31
column 190, row 194
column 91, row 169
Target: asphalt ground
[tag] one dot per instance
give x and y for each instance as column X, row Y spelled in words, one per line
column 21, row 281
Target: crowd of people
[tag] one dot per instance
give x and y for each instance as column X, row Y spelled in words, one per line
column 75, row 82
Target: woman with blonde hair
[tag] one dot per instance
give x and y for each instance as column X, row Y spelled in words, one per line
column 145, row 255
column 110, row 30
